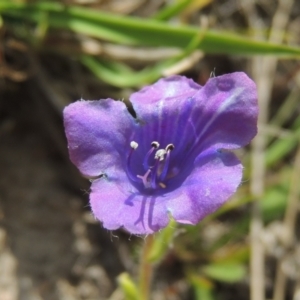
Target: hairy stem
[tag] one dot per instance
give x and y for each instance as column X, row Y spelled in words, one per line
column 146, row 269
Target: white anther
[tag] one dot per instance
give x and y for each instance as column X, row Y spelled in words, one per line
column 170, row 147
column 134, row 145
column 160, row 154
column 155, row 144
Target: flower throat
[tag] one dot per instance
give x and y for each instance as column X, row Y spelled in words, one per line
column 156, row 173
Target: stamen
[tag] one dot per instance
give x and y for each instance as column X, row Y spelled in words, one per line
column 160, row 154
column 154, row 145
column 164, row 172
column 154, row 174
column 133, row 146
column 170, row 147
column 162, row 185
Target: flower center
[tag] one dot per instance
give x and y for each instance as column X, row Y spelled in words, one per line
column 155, row 164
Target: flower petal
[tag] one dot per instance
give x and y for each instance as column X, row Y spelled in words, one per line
column 221, row 114
column 163, row 89
column 215, row 177
column 116, row 203
column 97, row 132
column 225, row 112
column 159, row 109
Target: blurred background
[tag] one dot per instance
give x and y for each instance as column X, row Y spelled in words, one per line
column 53, row 53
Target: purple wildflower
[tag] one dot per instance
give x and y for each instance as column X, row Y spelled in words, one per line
column 171, row 159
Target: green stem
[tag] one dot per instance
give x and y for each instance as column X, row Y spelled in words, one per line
column 146, row 269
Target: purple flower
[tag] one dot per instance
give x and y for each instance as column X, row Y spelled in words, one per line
column 172, row 158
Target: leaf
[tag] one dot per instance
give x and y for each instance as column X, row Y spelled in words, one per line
column 172, row 10
column 139, row 32
column 282, row 147
column 227, row 272
column 119, row 74
column 128, row 287
column 274, row 203
column 203, row 287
